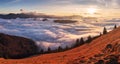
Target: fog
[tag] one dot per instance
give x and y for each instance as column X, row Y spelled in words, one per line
column 49, row 34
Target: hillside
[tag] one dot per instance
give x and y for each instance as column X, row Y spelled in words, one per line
column 16, row 47
column 103, row 49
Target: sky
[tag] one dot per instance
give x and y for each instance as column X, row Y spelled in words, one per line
column 63, row 7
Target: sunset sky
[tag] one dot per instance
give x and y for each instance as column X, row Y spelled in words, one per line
column 63, row 7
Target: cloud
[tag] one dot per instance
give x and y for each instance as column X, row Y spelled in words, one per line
column 13, row 1
column 110, row 3
column 62, row 3
column 49, row 34
column 99, row 3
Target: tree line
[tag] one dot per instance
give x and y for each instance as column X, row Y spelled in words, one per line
column 78, row 43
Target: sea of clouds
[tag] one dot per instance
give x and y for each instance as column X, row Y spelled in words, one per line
column 50, row 34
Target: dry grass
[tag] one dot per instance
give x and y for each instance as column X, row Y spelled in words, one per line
column 84, row 52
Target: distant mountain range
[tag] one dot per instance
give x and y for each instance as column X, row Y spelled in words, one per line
column 34, row 15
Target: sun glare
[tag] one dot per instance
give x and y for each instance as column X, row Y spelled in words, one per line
column 91, row 10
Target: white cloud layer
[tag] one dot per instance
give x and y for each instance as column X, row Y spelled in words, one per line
column 50, row 34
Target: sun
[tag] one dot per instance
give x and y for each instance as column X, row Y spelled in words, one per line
column 91, row 10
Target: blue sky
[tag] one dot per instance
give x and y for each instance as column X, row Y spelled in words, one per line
column 57, row 6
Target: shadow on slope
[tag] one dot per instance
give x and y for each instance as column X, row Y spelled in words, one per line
column 14, row 47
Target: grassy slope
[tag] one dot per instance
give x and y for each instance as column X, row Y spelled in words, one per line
column 86, row 51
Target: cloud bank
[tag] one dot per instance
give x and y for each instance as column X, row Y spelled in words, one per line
column 49, row 34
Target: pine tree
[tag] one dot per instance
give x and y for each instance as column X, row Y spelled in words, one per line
column 115, row 26
column 66, row 48
column 82, row 41
column 60, row 49
column 49, row 50
column 77, row 43
column 104, row 31
column 41, row 51
column 89, row 39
